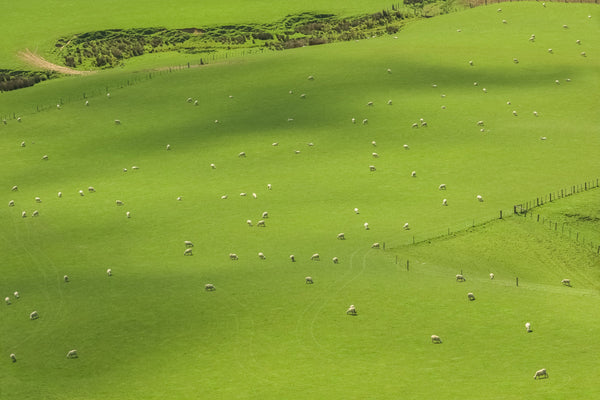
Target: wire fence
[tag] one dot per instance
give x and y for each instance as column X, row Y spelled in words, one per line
column 477, row 3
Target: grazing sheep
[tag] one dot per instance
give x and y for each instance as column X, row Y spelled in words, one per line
column 578, row 41
column 308, row 280
column 460, row 278
column 261, row 223
column 542, row 373
column 479, row 198
column 262, row 256
column 24, row 214
column 254, row 195
column 265, row 215
column 124, row 169
column 11, row 203
column 370, row 103
column 471, row 63
column 87, row 103
column 109, row 272
column 292, row 258
column 58, row 106
column 13, row 357
column 296, row 151
column 351, row 310
column 19, row 119
column 128, row 214
column 375, row 155
column 45, row 157
column 374, row 143
column 7, row 300
column 365, row 121
column 445, row 202
column 168, row 147
column 514, row 113
column 491, row 275
column 17, row 295
column 66, row 278
column 480, row 123
column 81, row 193
column 353, row 120
column 413, row 174
column 36, row 213
column 187, row 252
column 119, row 203
column 389, row 102
column 442, row 186
column 242, row 154
column 315, row 257
column 72, row 354
column 583, row 54
column 436, row 339
column 233, row 256
column 565, row 26
column 356, row 211
column 366, row 225
column 470, row 296
column 34, row 315
column 209, row 287
column 516, row 61
column 189, row 100
column 389, row 71
column 249, row 222
column 535, row 113
column 557, row 82
column 22, row 144
column 108, row 95
column 504, row 21
column 528, row 327
column 484, row 90
column 303, row 96
column 375, row 246
column 117, row 122
column 187, row 243
column 310, row 78
column 91, row 189
column 341, row 236
column 335, row 260
column 243, row 194
column 406, row 227
column 372, row 168
column 566, row 282
column 135, row 167
column 415, row 125
column 423, row 123
column 405, row 147
column 195, row 102
column 269, row 187
column 179, row 198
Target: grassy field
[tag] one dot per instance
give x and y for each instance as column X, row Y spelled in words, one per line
column 152, row 331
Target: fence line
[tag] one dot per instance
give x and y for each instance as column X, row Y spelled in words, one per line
column 477, row 3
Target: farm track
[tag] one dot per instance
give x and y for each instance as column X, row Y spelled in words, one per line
column 38, row 61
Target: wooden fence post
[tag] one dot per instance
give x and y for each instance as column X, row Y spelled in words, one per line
column 500, row 214
column 517, row 281
column 407, row 262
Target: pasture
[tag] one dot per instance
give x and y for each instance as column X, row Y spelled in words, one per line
column 151, row 330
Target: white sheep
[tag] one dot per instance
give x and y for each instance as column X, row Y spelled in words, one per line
column 91, row 189
column 484, row 90
column 516, row 61
column 535, row 113
column 351, row 310
column 11, row 203
column 81, row 193
column 356, row 211
column 389, row 71
column 583, row 54
column 108, row 95
column 58, row 106
column 7, row 300
column 374, row 143
column 372, row 168
column 34, row 315
column 415, row 125
column 223, row 197
column 261, row 255
column 542, row 373
column 353, row 120
column 436, row 339
column 471, row 63
column 242, row 154
column 413, row 174
column 366, row 225
column 66, row 278
column 209, row 287
column 35, row 213
column 13, row 357
column 578, row 41
column 168, row 147
column 124, row 169
column 365, row 121
column 528, row 327
column 370, row 103
column 17, row 295
column 233, row 256
column 375, row 155
column 480, row 123
column 341, row 236
column 445, row 202
column 566, row 282
column 254, row 195
column 243, row 194
column 310, row 78
column 514, row 113
column 470, row 296
column 292, row 258
column 406, row 227
column 24, row 214
column 22, row 144
column 109, row 272
column 335, row 260
column 72, row 354
column 119, row 203
column 87, row 103
column 491, row 275
column 303, row 96
column 269, row 187
column 179, row 198
column 45, row 157
column 315, row 257
column 187, row 252
column 249, row 222
column 479, row 197
column 261, row 223
column 128, row 214
column 405, row 147
column 117, row 122
column 389, row 102
column 265, row 215
column 188, row 243
column 460, row 278
column 504, row 21
column 442, row 186
column 308, row 280
column 375, row 246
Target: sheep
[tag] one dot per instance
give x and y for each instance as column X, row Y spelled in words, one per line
column 135, row 167
column 168, row 147
column 187, row 252
column 179, row 198
column 19, row 119
column 17, row 295
column 242, row 154
column 45, row 157
column 117, row 122
column 13, row 357
column 335, row 260
column 372, row 168
column 542, row 373
column 499, row 10
column 195, row 102
column 353, row 120
column 405, row 147
column 389, row 102
column 119, row 203
column 351, row 310
column 578, row 41
column 303, row 96
column 233, row 256
column 34, row 315
column 366, row 225
column 583, row 54
column 261, row 223
column 445, row 202
column 243, row 194
column 91, row 189
column 528, row 327
column 532, row 38
column 491, row 275
column 58, row 106
column 479, row 123
column 341, row 236
column 565, row 26
column 460, row 278
column 413, row 174
column 292, row 258
column 310, row 78
column 66, row 278
column 209, row 287
column 22, row 144
column 108, row 95
column 470, row 296
column 365, row 121
column 375, row 246
column 7, row 300
column 81, row 193
column 475, row 83
column 479, row 198
column 550, row 51
column 442, row 186
column 370, row 103
column 557, row 82
column 516, row 61
column 356, row 211
column 406, row 227
column 269, row 186
column 124, row 169
column 87, row 103
column 471, row 63
column 374, row 143
column 109, row 272
column 504, row 21
column 249, row 222
column 423, row 123
column 128, row 214
column 535, row 113
column 265, row 215
column 514, row 113
column 296, row 151
column 443, row 107
column 11, row 203
column 566, row 282
column 415, row 125
column 72, row 354
column 308, row 280
column 261, row 255
column 187, row 243
column 435, row 339
column 375, row 155
column 484, row 90
column 315, row 257
column 24, row 214
column 389, row 71
column 254, row 195
column 35, row 213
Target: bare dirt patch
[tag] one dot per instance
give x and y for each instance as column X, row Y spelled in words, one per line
column 38, row 61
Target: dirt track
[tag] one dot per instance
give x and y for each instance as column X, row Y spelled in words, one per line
column 33, row 59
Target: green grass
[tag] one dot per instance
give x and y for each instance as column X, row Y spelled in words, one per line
column 151, row 331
